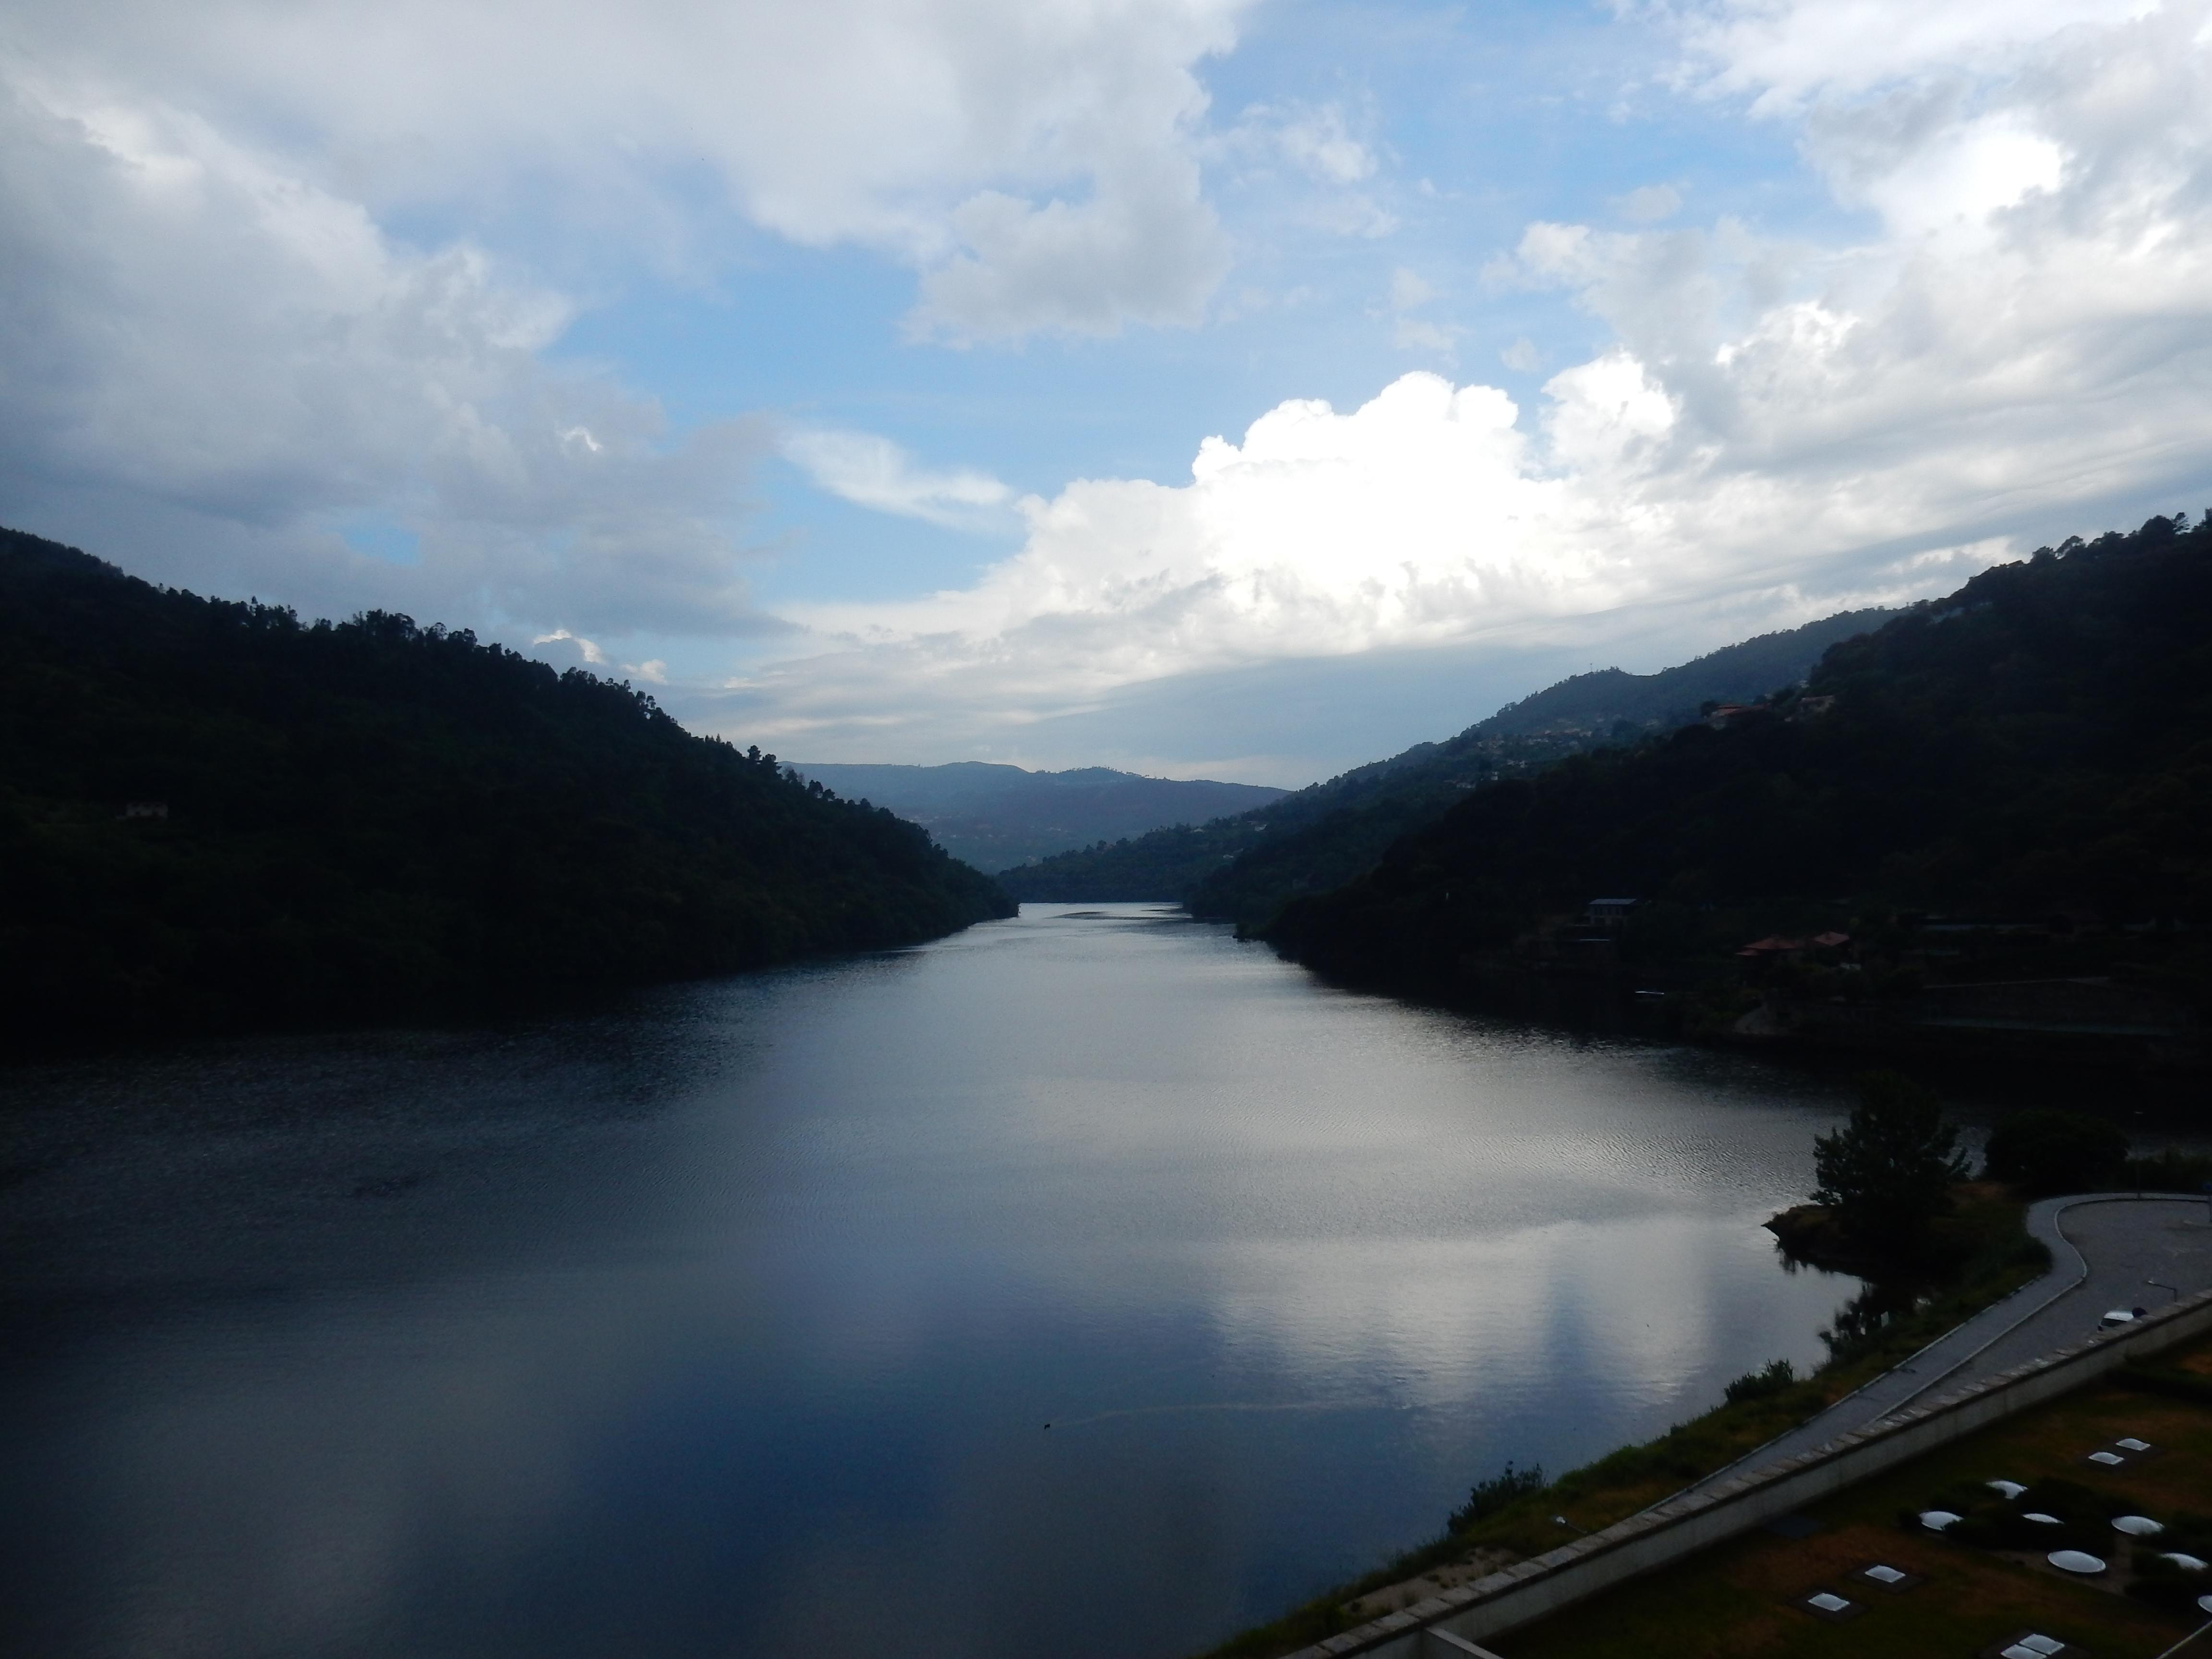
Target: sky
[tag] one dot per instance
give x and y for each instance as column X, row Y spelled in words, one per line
column 1231, row 388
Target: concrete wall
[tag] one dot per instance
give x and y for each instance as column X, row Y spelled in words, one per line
column 1684, row 1525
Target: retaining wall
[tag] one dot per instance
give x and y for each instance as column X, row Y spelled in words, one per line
column 1697, row 1520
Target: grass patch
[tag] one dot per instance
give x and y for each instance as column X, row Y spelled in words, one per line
column 1989, row 1253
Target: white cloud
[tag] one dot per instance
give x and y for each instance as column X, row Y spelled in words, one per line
column 873, row 472
column 218, row 351
column 1787, row 52
column 1309, row 160
column 1779, row 427
column 1316, row 140
column 1147, row 248
column 1408, row 290
column 207, row 320
column 1033, row 158
column 1409, row 293
column 196, row 336
column 1424, row 517
column 1647, row 204
column 591, row 650
column 1319, row 141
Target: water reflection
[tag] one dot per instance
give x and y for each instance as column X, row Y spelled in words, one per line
column 733, row 1323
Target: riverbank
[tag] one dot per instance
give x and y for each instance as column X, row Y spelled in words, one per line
column 1871, row 1335
column 220, row 818
column 2040, row 1467
column 2107, row 1250
column 2029, row 1035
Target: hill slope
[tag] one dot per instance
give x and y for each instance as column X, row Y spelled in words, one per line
column 2035, row 750
column 1246, row 867
column 372, row 820
column 998, row 817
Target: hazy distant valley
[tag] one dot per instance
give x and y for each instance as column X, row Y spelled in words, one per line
column 996, row 817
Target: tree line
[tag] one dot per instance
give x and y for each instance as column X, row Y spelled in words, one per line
column 217, row 816
column 2035, row 748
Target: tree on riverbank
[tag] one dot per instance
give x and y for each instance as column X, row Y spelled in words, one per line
column 2045, row 1151
column 1888, row 1172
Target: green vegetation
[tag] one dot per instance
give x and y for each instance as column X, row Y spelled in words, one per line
column 2169, row 1171
column 1777, row 1377
column 1165, row 864
column 1244, row 868
column 1989, row 1255
column 2013, row 783
column 2044, row 1152
column 215, row 816
column 1499, row 1493
column 1888, row 1172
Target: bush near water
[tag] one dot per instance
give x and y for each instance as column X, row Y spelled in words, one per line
column 215, row 816
column 2044, row 1151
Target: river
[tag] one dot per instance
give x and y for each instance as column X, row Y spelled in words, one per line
column 1088, row 1284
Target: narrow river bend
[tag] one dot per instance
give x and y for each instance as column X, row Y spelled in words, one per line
column 731, row 1323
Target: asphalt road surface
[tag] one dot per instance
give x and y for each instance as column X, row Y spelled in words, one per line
column 2105, row 1247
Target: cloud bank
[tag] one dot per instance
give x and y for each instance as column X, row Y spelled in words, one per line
column 242, row 329
column 217, row 346
column 1035, row 160
column 2017, row 346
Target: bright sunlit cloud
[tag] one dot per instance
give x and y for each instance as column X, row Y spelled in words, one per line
column 1831, row 425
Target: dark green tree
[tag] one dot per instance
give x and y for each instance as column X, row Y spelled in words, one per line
column 1888, row 1173
column 2045, row 1151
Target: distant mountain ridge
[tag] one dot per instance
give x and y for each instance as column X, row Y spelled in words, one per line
column 997, row 816
column 2010, row 784
column 1246, row 867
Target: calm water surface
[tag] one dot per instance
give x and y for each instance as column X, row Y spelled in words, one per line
column 733, row 1324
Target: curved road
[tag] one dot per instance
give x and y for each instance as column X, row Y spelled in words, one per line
column 2104, row 1246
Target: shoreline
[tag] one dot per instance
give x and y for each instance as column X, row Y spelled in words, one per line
column 1633, row 1478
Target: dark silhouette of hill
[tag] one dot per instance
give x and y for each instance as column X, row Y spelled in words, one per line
column 2031, row 757
column 997, row 816
column 1246, row 867
column 215, row 816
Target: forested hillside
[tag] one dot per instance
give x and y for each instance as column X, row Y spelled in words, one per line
column 215, row 816
column 2031, row 757
column 1245, row 867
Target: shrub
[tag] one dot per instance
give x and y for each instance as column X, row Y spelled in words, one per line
column 2168, row 1171
column 1487, row 1497
column 1761, row 1384
column 2044, row 1151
